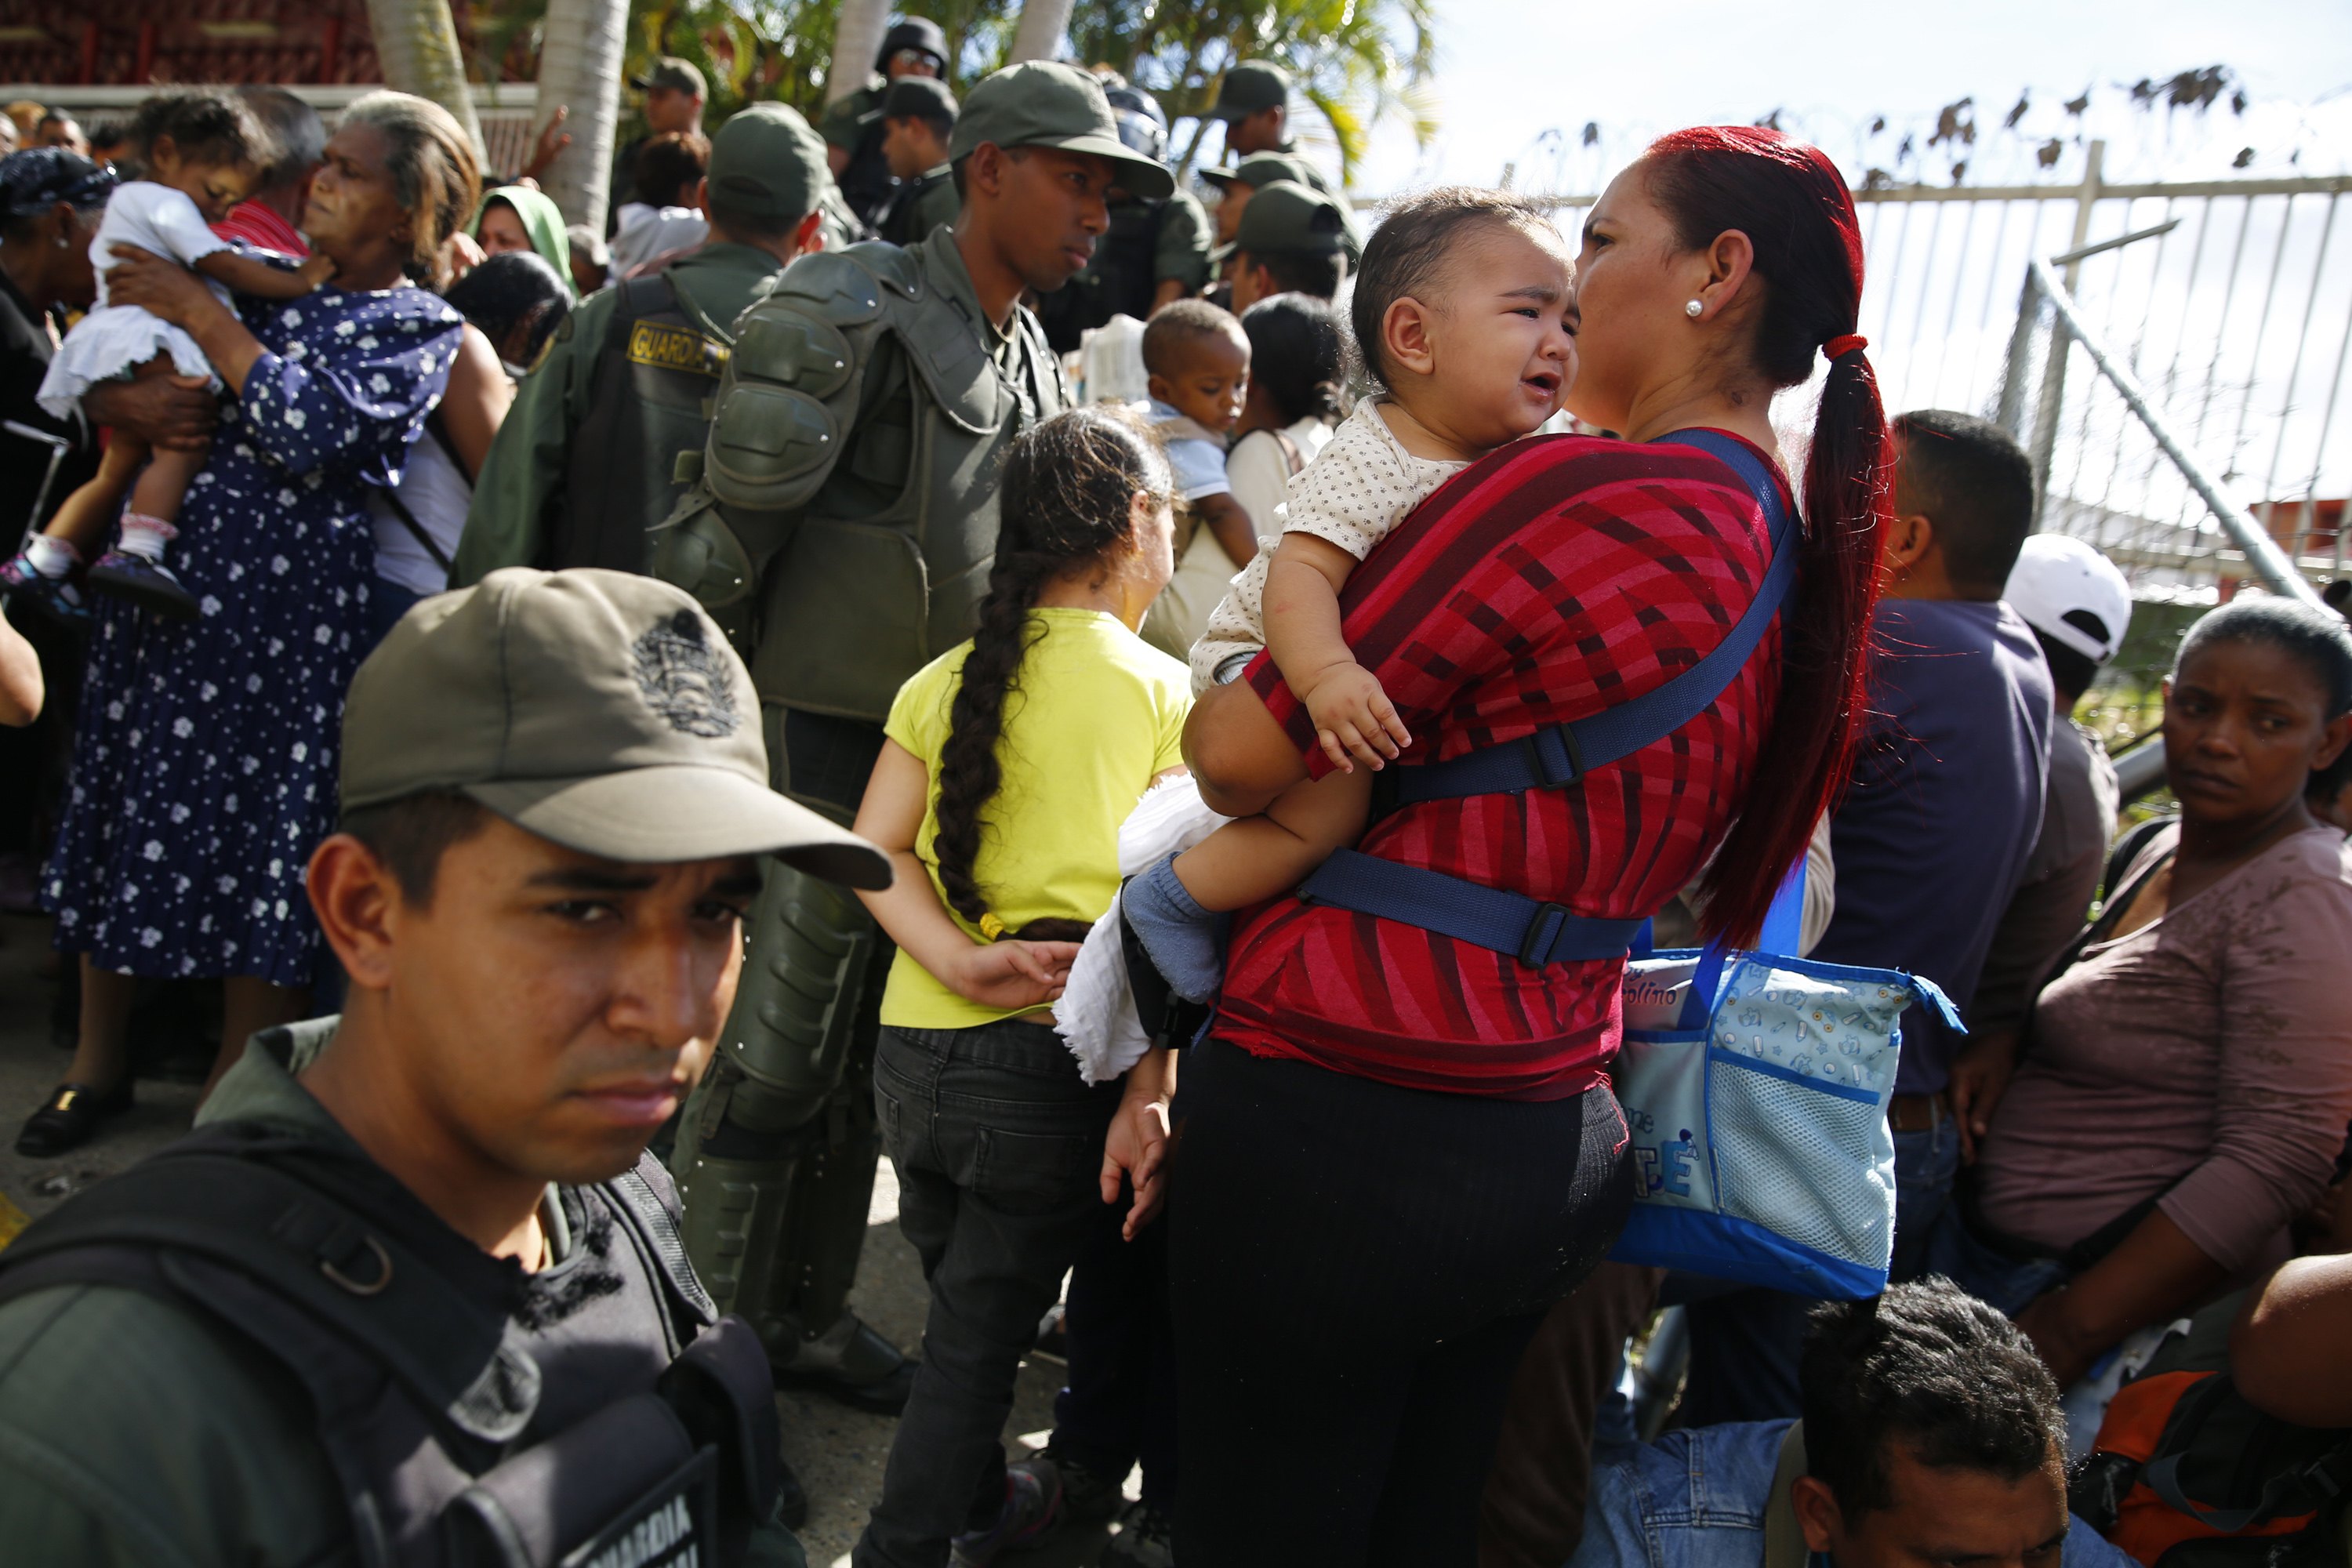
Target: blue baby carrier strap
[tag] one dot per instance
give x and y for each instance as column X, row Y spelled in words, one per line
column 1535, row 931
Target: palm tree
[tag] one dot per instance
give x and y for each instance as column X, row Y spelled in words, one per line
column 857, row 38
column 1039, row 35
column 580, row 63
column 417, row 42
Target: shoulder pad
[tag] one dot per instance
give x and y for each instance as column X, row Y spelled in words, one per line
column 890, row 266
column 831, row 285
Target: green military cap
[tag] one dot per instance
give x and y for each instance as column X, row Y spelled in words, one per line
column 600, row 709
column 917, row 96
column 671, row 71
column 1263, row 169
column 1043, row 103
column 1251, row 88
column 765, row 163
column 1286, row 217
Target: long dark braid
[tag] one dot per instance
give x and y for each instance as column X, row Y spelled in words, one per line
column 1063, row 502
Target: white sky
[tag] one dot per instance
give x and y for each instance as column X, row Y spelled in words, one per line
column 1509, row 70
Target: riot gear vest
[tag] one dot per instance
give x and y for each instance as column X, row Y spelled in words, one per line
column 660, row 363
column 846, row 521
column 592, row 1413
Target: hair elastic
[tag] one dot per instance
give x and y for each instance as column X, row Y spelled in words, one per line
column 1837, row 348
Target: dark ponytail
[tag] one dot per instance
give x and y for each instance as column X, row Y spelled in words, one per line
column 1064, row 503
column 1791, row 202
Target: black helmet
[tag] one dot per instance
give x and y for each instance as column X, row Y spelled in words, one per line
column 914, row 33
column 1142, row 124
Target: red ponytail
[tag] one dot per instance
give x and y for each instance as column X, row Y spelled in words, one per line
column 1791, row 202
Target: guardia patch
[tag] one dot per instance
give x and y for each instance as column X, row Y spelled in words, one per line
column 666, row 347
column 684, row 678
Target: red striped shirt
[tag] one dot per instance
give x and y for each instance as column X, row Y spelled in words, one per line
column 1557, row 577
column 261, row 225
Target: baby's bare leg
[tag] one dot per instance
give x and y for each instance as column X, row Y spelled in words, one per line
column 1256, row 858
column 165, row 483
column 83, row 518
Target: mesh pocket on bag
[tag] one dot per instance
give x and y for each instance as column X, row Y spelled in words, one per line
column 1797, row 1162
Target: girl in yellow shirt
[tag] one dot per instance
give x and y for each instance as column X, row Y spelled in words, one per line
column 1010, row 764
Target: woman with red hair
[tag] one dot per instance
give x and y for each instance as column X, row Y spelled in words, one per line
column 1398, row 1147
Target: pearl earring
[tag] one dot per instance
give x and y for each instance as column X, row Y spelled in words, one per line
column 1694, row 310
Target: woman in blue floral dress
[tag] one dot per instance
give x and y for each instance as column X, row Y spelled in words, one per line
column 204, row 773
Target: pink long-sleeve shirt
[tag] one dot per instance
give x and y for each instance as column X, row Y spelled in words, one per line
column 2209, row 1052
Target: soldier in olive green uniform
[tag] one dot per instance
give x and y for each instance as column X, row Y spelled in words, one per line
column 1241, row 182
column 1292, row 240
column 1253, row 100
column 412, row 1292
column 919, row 116
column 852, row 125
column 843, row 535
column 585, row 462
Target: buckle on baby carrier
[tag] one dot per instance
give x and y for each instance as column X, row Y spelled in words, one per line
column 1554, row 756
column 1543, row 930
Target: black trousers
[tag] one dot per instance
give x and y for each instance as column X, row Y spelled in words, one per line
column 998, row 1146
column 1120, row 1403
column 1356, row 1271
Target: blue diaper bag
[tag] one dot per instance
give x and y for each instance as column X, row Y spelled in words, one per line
column 1755, row 1090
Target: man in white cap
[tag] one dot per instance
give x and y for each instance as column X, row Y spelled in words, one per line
column 2078, row 607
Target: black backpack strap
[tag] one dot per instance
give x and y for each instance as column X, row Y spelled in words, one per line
column 337, row 1264
column 1530, row 930
column 2298, row 1489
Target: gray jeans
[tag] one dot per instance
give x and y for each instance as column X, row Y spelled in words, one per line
column 998, row 1147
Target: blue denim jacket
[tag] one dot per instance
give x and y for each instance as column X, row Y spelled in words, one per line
column 1701, row 1499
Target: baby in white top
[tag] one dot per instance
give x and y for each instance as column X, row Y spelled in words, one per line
column 1464, row 316
column 201, row 150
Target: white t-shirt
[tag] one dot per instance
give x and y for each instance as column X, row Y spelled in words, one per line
column 434, row 490
column 667, row 229
column 1354, row 493
column 158, row 218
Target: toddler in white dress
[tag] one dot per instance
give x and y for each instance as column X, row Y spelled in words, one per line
column 201, row 150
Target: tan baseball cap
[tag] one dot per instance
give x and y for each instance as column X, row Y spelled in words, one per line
column 600, row 710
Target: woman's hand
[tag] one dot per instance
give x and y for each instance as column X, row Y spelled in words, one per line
column 1981, row 1076
column 170, row 413
column 161, row 288
column 461, row 254
column 1012, row 974
column 1135, row 1149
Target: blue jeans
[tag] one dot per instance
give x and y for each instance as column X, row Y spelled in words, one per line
column 2011, row 1284
column 1746, row 1344
column 998, row 1146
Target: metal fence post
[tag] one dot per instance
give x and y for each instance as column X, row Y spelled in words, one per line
column 2011, row 413
column 2045, row 443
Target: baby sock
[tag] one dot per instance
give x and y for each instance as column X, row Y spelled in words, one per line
column 146, row 536
column 52, row 558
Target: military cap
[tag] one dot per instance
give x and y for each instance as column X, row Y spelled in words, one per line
column 914, row 33
column 1043, row 103
column 1284, row 218
column 671, row 71
column 603, row 710
column 1251, row 88
column 919, row 97
column 765, row 163
column 1262, row 169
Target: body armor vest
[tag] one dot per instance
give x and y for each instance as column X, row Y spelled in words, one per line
column 601, row 1420
column 655, row 371
column 846, row 524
